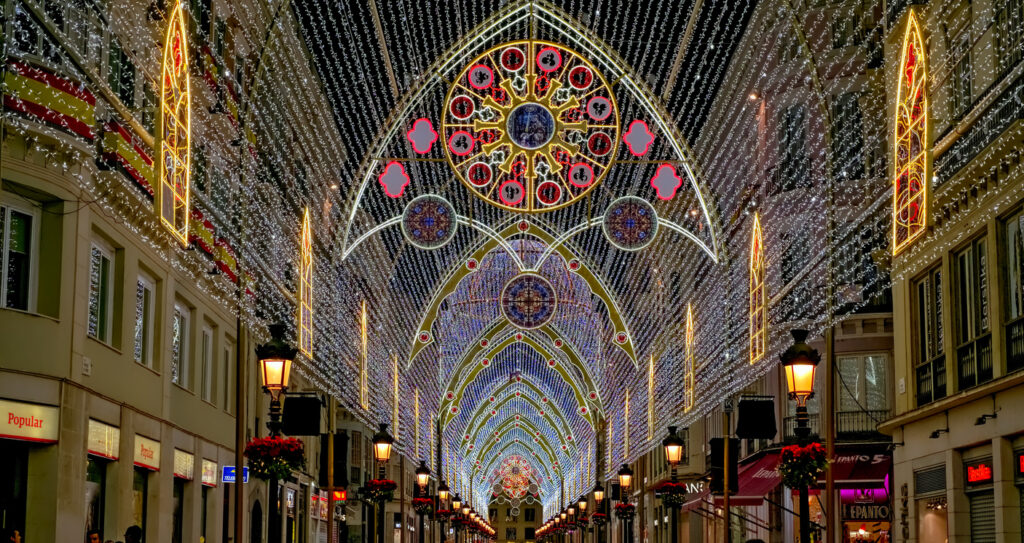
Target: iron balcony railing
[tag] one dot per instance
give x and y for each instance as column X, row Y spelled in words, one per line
column 1015, row 345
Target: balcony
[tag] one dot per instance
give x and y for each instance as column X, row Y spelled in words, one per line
column 974, row 362
column 931, row 380
column 789, row 425
column 849, row 425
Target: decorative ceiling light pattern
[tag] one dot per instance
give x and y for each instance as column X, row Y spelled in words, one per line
column 429, row 222
column 530, row 126
column 630, row 223
column 516, row 475
column 528, row 301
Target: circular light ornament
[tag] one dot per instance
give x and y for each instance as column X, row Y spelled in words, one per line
column 630, row 223
column 429, row 222
column 528, row 301
column 529, row 110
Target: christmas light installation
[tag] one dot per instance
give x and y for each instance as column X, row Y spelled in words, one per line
column 363, row 361
column 911, row 151
column 172, row 196
column 689, row 374
column 650, row 398
column 306, row 288
column 530, row 126
column 757, row 294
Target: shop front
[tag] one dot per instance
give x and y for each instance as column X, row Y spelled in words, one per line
column 24, row 428
column 102, row 446
column 861, row 477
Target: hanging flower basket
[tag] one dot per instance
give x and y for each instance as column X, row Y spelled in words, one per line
column 672, row 493
column 625, row 511
column 800, row 466
column 422, row 506
column 599, row 519
column 582, row 520
column 443, row 514
column 380, row 490
column 274, row 457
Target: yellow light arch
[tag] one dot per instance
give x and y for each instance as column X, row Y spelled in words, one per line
column 688, row 369
column 172, row 196
column 306, row 289
column 758, row 298
column 910, row 150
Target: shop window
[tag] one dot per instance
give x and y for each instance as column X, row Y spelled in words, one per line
column 101, row 291
column 18, row 241
column 206, row 352
column 530, row 534
column 204, row 511
column 930, row 359
column 145, row 299
column 1013, row 292
column 95, row 493
column 140, row 498
column 983, row 516
column 179, row 345
column 13, row 482
column 178, row 505
column 974, row 342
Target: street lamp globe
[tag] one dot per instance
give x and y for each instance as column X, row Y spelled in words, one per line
column 625, row 477
column 800, row 362
column 582, row 504
column 442, row 492
column 422, row 475
column 674, row 447
column 382, row 442
column 275, row 358
column 598, row 494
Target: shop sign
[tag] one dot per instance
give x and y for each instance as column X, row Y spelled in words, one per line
column 209, row 473
column 104, row 439
column 866, row 511
column 228, row 474
column 28, row 421
column 323, row 505
column 147, row 453
column 979, row 472
column 314, row 503
column 184, row 464
column 1018, row 464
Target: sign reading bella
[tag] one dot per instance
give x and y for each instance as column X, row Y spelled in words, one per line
column 28, row 421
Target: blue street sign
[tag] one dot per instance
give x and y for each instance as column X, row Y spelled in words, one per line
column 228, row 475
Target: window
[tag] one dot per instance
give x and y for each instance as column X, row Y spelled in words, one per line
column 930, row 356
column 530, row 514
column 846, row 29
column 101, row 292
column 221, row 29
column 530, row 533
column 200, row 11
column 145, row 298
column 208, row 363
column 863, row 389
column 794, row 165
column 121, row 74
column 228, row 378
column 17, row 240
column 1013, row 279
column 140, row 498
column 95, row 493
column 974, row 343
column 179, row 346
column 510, row 533
column 961, row 78
column 1010, row 34
column 847, row 137
column 150, row 107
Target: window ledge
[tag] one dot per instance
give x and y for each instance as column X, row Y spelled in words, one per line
column 996, row 385
column 103, row 343
column 182, row 388
column 30, row 313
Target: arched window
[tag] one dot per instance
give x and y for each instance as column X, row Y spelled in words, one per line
column 758, row 302
column 910, row 152
column 172, row 198
column 306, row 289
column 688, row 369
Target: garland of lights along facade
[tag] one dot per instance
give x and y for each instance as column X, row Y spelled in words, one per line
column 172, row 196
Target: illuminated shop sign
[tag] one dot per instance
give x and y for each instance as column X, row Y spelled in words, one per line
column 979, row 472
column 28, row 421
column 147, row 453
column 104, row 440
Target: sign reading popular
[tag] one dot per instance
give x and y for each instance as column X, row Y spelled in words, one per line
column 28, row 421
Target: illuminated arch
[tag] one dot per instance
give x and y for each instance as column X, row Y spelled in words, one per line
column 306, row 289
column 507, row 426
column 553, row 414
column 910, row 151
column 758, row 298
column 530, row 455
column 172, row 196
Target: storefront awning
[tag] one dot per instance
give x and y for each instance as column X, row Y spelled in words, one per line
column 859, row 467
column 756, row 479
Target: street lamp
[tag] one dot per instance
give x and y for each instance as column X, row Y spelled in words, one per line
column 382, row 442
column 442, row 492
column 800, row 362
column 275, row 358
column 598, row 494
column 422, row 480
column 625, row 478
column 674, row 451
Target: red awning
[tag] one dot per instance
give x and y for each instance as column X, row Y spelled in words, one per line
column 756, row 479
column 695, row 500
column 859, row 467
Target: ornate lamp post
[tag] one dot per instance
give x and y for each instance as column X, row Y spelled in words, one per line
column 581, row 504
column 382, row 442
column 800, row 362
column 674, row 451
column 456, row 511
column 598, row 508
column 275, row 358
column 422, row 480
column 442, row 501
